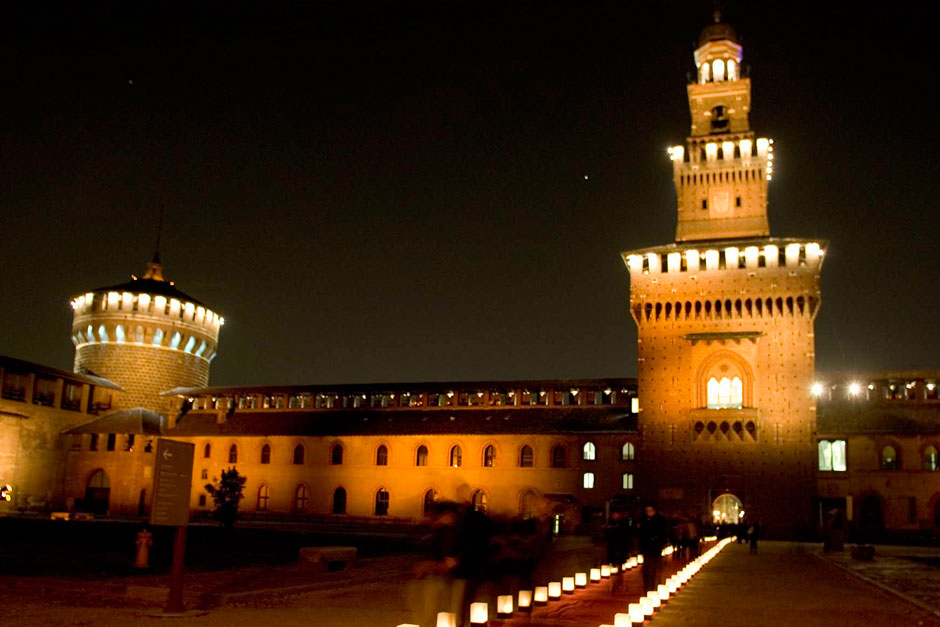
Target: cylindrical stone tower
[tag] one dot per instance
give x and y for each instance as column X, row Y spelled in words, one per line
column 145, row 335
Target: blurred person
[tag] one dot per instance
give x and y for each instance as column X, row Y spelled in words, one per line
column 652, row 533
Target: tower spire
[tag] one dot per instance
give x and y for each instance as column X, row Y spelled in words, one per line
column 154, row 267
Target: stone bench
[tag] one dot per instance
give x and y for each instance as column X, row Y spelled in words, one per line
column 334, row 557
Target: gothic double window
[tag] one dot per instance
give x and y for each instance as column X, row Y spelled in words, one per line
column 724, row 393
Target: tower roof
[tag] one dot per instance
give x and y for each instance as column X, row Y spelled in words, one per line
column 151, row 286
column 717, row 31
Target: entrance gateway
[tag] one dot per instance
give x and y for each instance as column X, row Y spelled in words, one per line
column 727, row 509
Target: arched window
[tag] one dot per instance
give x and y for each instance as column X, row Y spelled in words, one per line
column 627, row 481
column 479, row 501
column 207, row 451
column 339, row 501
column 456, row 456
column 201, row 349
column 718, row 69
column 588, row 481
column 526, row 456
column 889, row 458
column 263, row 496
column 732, row 70
column 381, row 502
column 489, row 456
column 233, row 454
column 139, row 334
column 301, row 498
column 627, row 452
column 527, row 504
column 299, row 454
column 102, row 333
column 381, row 455
column 559, row 457
column 190, row 343
column 725, row 393
column 266, row 454
column 589, row 452
column 119, row 333
column 158, row 337
column 175, row 340
column 704, row 72
column 430, row 498
column 930, row 458
column 421, row 456
column 336, row 454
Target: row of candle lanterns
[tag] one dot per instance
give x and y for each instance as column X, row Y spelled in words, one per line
column 647, row 605
column 542, row 595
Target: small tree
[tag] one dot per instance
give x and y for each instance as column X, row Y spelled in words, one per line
column 226, row 493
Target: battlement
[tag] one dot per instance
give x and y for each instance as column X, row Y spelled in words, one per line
column 157, row 305
column 724, row 256
column 739, row 151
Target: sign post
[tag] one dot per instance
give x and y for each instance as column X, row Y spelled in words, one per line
column 172, row 485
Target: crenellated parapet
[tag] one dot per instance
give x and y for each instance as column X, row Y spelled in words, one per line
column 803, row 255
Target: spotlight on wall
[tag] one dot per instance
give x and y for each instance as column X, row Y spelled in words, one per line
column 854, row 389
column 817, row 389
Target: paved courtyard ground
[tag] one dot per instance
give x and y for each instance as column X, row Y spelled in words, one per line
column 786, row 584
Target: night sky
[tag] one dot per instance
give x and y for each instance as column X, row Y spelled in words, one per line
column 399, row 193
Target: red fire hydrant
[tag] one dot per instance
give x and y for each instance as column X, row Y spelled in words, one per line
column 144, row 542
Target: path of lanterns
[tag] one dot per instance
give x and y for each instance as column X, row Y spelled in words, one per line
column 586, row 599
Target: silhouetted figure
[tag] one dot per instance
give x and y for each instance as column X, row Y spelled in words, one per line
column 617, row 540
column 653, row 536
column 753, row 533
column 474, row 532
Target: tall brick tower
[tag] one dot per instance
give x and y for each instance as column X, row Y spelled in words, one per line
column 725, row 323
column 145, row 335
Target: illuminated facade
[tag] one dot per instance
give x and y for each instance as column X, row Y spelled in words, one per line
column 725, row 321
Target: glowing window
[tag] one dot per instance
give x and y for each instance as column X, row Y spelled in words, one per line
column 119, row 333
column 718, row 69
column 704, row 72
column 627, row 452
column 732, row 70
column 175, row 340
column 421, row 456
column 201, row 349
column 526, row 457
column 588, row 481
column 381, row 455
column 489, row 456
column 263, row 495
column 90, row 334
column 930, row 458
column 627, row 481
column 832, row 455
column 589, row 452
column 889, row 458
column 725, row 393
column 456, row 457
column 102, row 333
column 266, row 454
column 190, row 343
column 158, row 337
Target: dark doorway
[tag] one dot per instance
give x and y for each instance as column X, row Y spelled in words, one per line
column 98, row 493
column 339, row 501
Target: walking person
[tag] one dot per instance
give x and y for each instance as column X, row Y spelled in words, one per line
column 753, row 533
column 652, row 535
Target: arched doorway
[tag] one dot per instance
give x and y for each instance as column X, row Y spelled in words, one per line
column 98, row 493
column 727, row 509
column 339, row 501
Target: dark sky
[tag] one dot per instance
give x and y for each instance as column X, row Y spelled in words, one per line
column 399, row 193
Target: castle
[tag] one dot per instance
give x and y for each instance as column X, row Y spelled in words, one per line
column 727, row 420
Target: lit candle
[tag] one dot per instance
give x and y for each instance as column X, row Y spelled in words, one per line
column 540, row 595
column 580, row 579
column 605, row 571
column 567, row 584
column 636, row 613
column 663, row 591
column 525, row 600
column 446, row 619
column 646, row 603
column 504, row 605
column 639, row 559
column 654, row 598
column 554, row 589
column 622, row 620
column 479, row 613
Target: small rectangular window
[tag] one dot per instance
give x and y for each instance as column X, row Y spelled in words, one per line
column 93, row 442
column 704, row 204
column 204, row 474
column 129, row 442
column 737, row 201
column 112, row 441
column 202, row 500
column 832, row 455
